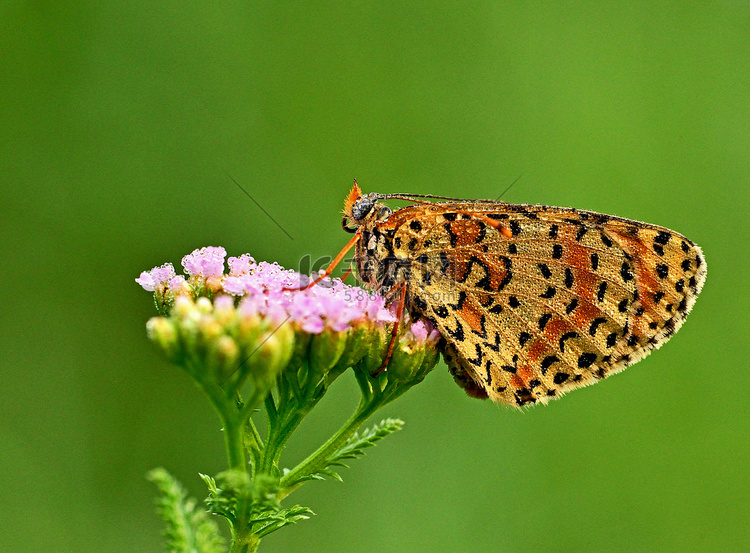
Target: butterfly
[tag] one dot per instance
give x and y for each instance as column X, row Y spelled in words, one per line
column 532, row 301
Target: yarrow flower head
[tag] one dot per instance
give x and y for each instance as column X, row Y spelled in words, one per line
column 254, row 335
column 217, row 318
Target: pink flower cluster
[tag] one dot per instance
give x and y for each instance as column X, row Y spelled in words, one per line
column 159, row 277
column 262, row 288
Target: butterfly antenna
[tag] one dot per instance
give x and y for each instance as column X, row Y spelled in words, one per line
column 511, row 185
column 410, row 198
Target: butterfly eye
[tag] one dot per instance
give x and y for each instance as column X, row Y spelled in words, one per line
column 362, row 207
column 345, row 225
column 384, row 212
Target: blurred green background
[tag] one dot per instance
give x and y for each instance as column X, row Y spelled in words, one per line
column 120, row 122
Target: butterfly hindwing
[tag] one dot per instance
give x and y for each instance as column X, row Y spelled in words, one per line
column 535, row 301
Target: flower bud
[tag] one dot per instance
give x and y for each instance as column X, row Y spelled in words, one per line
column 224, row 355
column 182, row 306
column 249, row 328
column 213, row 284
column 355, row 349
column 162, row 332
column 204, row 305
column 301, row 347
column 406, row 360
column 225, row 312
column 431, row 357
column 325, row 350
column 375, row 347
column 271, row 355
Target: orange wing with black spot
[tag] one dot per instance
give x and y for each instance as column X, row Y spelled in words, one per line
column 534, row 301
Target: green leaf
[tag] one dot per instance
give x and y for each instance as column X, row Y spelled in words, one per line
column 353, row 448
column 226, row 492
column 257, row 501
column 277, row 519
column 189, row 530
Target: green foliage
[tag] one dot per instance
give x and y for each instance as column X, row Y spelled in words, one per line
column 353, row 448
column 189, row 530
column 252, row 503
column 270, row 521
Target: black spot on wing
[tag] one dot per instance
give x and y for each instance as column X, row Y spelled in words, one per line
column 457, row 334
column 559, row 378
column 547, row 362
column 544, row 269
column 543, row 320
column 595, row 325
column 586, row 360
column 549, row 293
column 477, row 361
column 662, row 238
column 568, row 277
column 460, row 303
column 567, row 336
column 625, row 271
column 452, row 236
column 602, row 291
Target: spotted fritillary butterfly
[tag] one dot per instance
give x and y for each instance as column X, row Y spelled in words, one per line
column 532, row 301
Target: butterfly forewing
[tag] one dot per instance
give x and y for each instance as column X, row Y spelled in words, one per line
column 534, row 301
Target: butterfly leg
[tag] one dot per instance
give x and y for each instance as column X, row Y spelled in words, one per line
column 400, row 289
column 331, row 267
column 346, row 274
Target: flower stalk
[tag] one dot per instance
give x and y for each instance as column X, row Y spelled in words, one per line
column 245, row 333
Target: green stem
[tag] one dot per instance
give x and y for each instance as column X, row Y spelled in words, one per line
column 317, row 460
column 282, row 422
column 254, row 443
column 233, row 431
column 233, row 439
column 278, row 435
column 245, row 544
column 252, row 403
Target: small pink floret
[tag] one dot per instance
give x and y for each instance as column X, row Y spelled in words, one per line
column 205, row 262
column 424, row 331
column 156, row 277
column 240, row 265
column 146, row 281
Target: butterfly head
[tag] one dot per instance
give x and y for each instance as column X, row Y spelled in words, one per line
column 362, row 208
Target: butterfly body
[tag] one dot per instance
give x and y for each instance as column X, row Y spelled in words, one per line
column 532, row 300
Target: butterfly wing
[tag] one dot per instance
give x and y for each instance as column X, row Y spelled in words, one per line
column 535, row 301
